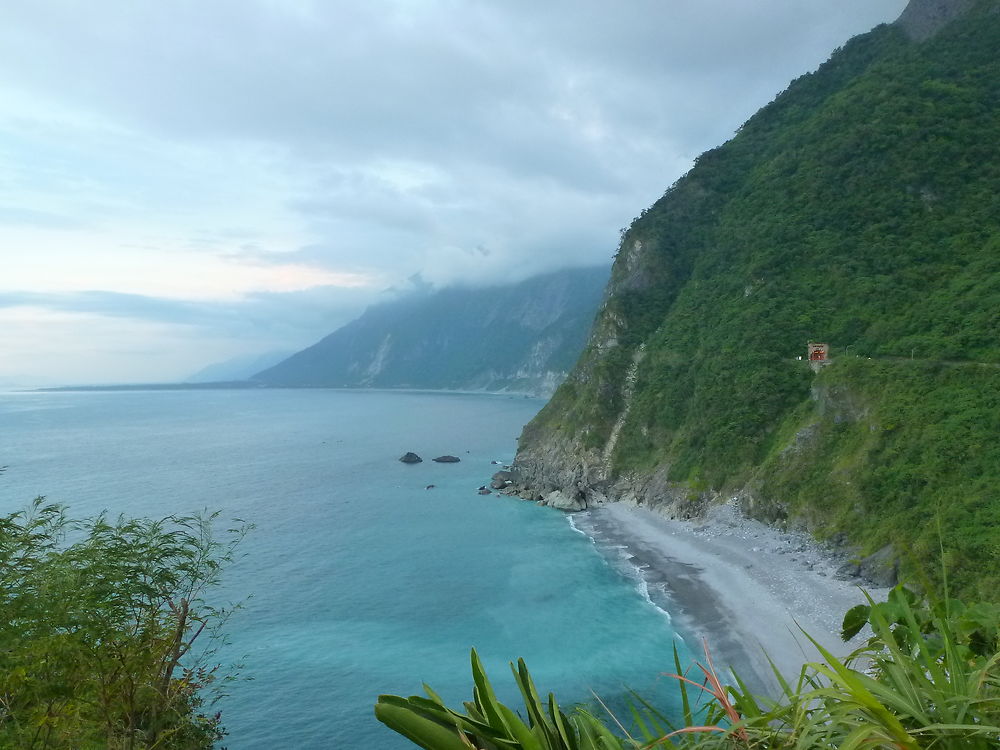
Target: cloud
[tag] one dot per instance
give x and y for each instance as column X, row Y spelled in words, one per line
column 212, row 150
column 440, row 80
column 300, row 316
column 113, row 304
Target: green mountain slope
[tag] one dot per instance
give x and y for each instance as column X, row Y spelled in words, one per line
column 521, row 337
column 860, row 208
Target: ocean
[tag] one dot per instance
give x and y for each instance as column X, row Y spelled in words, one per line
column 358, row 579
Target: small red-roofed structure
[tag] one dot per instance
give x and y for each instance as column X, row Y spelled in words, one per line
column 819, row 352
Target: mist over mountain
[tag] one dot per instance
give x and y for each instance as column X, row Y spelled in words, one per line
column 520, row 337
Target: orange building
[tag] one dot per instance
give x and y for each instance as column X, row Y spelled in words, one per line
column 819, row 352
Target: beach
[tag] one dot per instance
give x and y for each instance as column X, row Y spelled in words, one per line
column 745, row 589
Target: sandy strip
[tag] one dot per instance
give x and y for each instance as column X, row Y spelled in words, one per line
column 745, row 587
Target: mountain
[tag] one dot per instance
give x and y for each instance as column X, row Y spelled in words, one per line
column 518, row 337
column 860, row 209
column 237, row 368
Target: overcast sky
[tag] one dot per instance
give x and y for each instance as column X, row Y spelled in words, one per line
column 186, row 181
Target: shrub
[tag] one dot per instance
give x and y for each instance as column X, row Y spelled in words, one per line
column 97, row 634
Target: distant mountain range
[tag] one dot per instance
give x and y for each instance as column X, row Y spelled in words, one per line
column 238, row 368
column 522, row 337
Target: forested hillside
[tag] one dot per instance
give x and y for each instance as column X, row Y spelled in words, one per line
column 861, row 209
column 518, row 337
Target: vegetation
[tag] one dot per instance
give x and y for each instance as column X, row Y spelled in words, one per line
column 487, row 723
column 860, row 208
column 98, row 624
column 929, row 677
column 903, row 452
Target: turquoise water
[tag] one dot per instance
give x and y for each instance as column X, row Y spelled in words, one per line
column 362, row 581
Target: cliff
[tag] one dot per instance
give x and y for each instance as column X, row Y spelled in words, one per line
column 861, row 208
column 520, row 337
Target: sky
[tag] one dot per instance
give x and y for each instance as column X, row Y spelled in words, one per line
column 183, row 182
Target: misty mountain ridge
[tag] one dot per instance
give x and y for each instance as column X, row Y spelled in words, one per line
column 241, row 367
column 521, row 337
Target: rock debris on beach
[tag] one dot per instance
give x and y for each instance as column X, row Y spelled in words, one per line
column 763, row 598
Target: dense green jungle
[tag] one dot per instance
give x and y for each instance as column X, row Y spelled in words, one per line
column 861, row 209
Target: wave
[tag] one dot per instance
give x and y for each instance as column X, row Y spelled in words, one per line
column 642, row 586
column 572, row 525
column 626, row 564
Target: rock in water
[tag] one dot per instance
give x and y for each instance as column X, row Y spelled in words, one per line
column 411, row 458
column 447, row 459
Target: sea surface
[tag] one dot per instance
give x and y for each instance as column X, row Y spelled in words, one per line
column 360, row 580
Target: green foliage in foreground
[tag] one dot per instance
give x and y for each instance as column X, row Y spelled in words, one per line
column 97, row 623
column 489, row 724
column 928, row 677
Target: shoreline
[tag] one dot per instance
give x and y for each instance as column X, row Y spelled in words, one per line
column 745, row 588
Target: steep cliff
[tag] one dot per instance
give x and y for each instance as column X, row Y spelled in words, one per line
column 861, row 208
column 519, row 337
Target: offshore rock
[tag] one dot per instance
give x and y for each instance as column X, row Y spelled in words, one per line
column 447, row 459
column 410, row 458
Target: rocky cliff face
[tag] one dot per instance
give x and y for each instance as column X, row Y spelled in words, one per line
column 518, row 337
column 921, row 19
column 860, row 209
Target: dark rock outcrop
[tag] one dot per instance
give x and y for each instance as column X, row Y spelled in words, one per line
column 848, row 570
column 447, row 459
column 881, row 567
column 410, row 458
column 503, row 479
